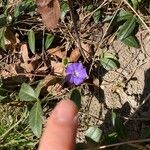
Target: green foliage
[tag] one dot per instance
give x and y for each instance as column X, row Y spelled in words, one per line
column 38, row 89
column 35, row 119
column 76, row 97
column 135, row 3
column 125, row 33
column 64, row 9
column 96, row 15
column 3, row 20
column 124, row 16
column 131, row 41
column 31, row 41
column 24, row 7
column 27, row 93
column 94, row 133
column 49, row 40
column 2, row 98
column 109, row 61
column 119, row 126
column 65, row 61
column 2, row 38
column 127, row 28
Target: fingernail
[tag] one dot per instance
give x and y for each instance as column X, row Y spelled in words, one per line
column 66, row 112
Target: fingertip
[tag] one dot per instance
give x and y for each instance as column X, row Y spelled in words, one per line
column 60, row 131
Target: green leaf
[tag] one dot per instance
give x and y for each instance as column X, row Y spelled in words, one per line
column 17, row 12
column 3, row 20
column 127, row 28
column 97, row 16
column 64, row 9
column 109, row 64
column 76, row 97
column 38, row 88
column 49, row 40
column 131, row 41
column 124, row 15
column 26, row 93
column 113, row 118
column 31, row 41
column 94, row 133
column 2, row 98
column 109, row 56
column 135, row 4
column 2, row 38
column 35, row 119
column 89, row 8
column 120, row 128
column 65, row 61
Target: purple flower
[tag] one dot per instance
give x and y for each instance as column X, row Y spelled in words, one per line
column 76, row 73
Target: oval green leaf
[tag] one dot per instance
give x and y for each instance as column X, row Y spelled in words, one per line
column 109, row 64
column 135, row 4
column 120, row 128
column 3, row 20
column 26, row 93
column 35, row 119
column 38, row 88
column 124, row 15
column 109, row 56
column 94, row 133
column 49, row 40
column 127, row 28
column 64, row 9
column 31, row 41
column 97, row 15
column 2, row 38
column 131, row 41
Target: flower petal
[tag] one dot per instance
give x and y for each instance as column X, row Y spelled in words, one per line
column 82, row 74
column 70, row 78
column 78, row 81
column 77, row 66
column 70, row 69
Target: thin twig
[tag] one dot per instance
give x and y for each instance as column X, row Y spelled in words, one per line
column 137, row 15
column 139, row 107
column 70, row 2
column 124, row 143
column 102, row 40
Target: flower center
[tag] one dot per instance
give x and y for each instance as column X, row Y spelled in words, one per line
column 75, row 74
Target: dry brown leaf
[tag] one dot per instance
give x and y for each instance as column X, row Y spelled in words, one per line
column 51, row 80
column 42, row 70
column 54, row 89
column 50, row 12
column 58, row 68
column 24, row 53
column 43, row 3
column 8, row 71
column 56, row 52
column 75, row 55
column 27, row 67
column 11, row 37
column 87, row 50
column 53, row 83
column 11, row 68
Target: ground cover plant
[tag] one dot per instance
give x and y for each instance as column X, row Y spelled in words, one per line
column 95, row 52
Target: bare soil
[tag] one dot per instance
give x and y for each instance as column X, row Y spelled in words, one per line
column 125, row 91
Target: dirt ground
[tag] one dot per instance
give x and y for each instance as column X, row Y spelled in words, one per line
column 125, row 90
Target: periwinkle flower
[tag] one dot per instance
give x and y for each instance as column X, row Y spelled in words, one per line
column 76, row 73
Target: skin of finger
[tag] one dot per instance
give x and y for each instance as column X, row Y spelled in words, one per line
column 60, row 135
